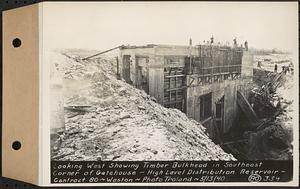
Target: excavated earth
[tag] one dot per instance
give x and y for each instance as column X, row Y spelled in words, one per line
column 108, row 119
column 273, row 140
column 273, row 101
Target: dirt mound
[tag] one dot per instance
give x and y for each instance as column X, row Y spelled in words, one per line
column 108, row 119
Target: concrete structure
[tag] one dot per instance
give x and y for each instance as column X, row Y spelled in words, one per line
column 201, row 80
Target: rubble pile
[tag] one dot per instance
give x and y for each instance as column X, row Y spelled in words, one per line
column 271, row 137
column 108, row 119
column 273, row 103
column 264, row 98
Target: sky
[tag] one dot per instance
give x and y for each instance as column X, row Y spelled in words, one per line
column 103, row 25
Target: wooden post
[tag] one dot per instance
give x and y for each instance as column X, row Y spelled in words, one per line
column 190, row 70
column 118, row 70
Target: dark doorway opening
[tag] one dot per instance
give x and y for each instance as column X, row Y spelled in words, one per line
column 220, row 115
column 126, row 68
column 142, row 73
column 205, row 106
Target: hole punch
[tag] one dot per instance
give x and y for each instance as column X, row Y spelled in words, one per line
column 17, row 42
column 16, row 145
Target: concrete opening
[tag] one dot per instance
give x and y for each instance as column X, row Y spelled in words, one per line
column 126, row 68
column 142, row 63
column 220, row 115
column 205, row 106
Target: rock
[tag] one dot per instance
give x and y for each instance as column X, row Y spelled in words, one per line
column 117, row 107
column 99, row 109
column 111, row 120
column 132, row 150
column 84, row 130
column 172, row 139
column 90, row 130
column 153, row 99
column 96, row 147
column 55, row 148
column 141, row 107
column 83, row 136
column 73, row 132
column 125, row 116
column 115, row 157
column 122, row 91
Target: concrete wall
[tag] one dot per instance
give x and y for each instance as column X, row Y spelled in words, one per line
column 138, row 51
column 247, row 74
column 176, row 50
column 247, row 65
column 155, row 70
column 133, row 53
column 157, row 56
column 156, row 78
column 230, row 104
column 227, row 88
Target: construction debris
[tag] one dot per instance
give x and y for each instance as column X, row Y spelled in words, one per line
column 270, row 137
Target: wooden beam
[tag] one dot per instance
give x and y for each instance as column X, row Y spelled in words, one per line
column 247, row 109
column 86, row 58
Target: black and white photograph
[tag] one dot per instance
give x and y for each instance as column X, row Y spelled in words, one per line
column 150, row 93
column 172, row 87
column 172, row 81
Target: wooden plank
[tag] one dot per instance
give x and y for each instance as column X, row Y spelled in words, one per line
column 171, row 76
column 247, row 109
column 89, row 57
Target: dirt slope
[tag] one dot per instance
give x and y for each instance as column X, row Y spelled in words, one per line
column 121, row 122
